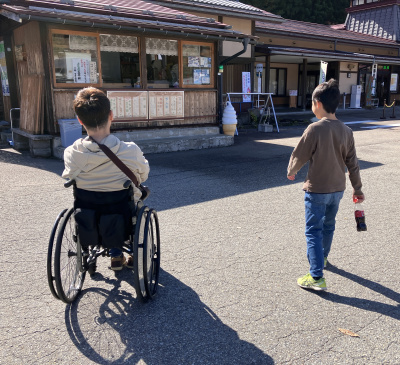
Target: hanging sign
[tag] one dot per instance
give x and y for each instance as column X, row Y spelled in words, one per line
column 3, row 71
column 246, row 87
column 322, row 72
column 374, row 73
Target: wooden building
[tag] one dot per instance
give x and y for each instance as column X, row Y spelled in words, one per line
column 369, row 39
column 157, row 64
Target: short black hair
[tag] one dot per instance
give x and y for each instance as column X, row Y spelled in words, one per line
column 328, row 94
column 92, row 107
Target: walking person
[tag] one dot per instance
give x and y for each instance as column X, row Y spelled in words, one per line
column 328, row 145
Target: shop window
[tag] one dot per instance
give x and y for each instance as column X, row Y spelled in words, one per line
column 197, row 61
column 119, row 60
column 277, row 81
column 162, row 63
column 75, row 59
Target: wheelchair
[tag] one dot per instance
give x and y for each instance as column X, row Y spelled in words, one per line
column 69, row 258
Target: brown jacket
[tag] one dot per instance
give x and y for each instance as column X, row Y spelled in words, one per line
column 329, row 146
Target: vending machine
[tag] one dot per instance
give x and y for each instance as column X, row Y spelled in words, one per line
column 355, row 97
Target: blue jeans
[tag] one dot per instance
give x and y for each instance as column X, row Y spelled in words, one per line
column 321, row 212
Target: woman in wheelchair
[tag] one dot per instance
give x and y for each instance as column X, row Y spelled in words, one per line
column 100, row 194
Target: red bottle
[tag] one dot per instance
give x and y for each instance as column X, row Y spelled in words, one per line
column 359, row 215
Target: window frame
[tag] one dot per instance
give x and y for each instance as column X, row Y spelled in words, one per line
column 74, row 32
column 277, row 79
column 212, row 55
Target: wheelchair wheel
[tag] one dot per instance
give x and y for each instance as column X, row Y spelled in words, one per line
column 50, row 255
column 146, row 253
column 68, row 267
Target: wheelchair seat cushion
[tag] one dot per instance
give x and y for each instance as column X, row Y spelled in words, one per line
column 103, row 218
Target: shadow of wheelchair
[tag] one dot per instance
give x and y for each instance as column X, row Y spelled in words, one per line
column 110, row 326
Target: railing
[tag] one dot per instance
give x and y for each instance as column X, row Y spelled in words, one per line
column 262, row 103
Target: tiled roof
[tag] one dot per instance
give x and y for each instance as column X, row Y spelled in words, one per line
column 311, row 30
column 129, row 13
column 222, row 7
column 379, row 22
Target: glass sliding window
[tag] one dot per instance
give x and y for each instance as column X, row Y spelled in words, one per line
column 197, row 64
column 277, row 81
column 119, row 60
column 75, row 58
column 162, row 63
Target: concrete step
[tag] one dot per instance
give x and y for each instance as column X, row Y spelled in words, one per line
column 166, row 140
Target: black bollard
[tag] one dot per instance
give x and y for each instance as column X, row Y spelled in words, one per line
column 384, row 105
column 394, row 105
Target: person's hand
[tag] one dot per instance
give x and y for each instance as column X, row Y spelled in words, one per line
column 291, row 177
column 358, row 198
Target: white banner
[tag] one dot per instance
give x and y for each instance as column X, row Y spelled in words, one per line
column 322, row 72
column 246, row 86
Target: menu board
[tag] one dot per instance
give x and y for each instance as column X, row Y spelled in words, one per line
column 129, row 105
column 166, row 104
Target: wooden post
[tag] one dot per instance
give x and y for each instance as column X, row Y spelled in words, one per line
column 304, row 86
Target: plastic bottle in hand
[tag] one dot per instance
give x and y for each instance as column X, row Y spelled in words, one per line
column 360, row 216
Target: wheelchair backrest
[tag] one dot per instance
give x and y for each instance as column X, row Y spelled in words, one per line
column 103, row 218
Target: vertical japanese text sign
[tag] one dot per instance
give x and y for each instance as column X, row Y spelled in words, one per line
column 246, row 86
column 322, row 72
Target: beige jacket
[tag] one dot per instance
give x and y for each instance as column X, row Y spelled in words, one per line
column 93, row 170
column 329, row 147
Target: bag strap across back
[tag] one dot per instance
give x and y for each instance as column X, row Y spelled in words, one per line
column 125, row 169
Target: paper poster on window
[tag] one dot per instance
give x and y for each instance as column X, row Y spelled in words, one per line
column 152, row 107
column 393, row 82
column 143, row 106
column 160, row 106
column 167, row 105
column 246, row 86
column 127, row 105
column 3, row 71
column 93, row 72
column 173, row 105
column 113, row 105
column 193, row 61
column 197, row 76
column 136, row 106
column 205, row 76
column 322, row 72
column 204, row 62
column 81, row 71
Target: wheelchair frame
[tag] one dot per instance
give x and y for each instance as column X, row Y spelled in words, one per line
column 68, row 262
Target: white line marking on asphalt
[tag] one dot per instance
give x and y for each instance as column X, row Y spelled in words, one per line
column 361, row 121
column 382, row 126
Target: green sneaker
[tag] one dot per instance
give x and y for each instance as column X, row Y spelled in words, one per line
column 307, row 282
column 325, row 262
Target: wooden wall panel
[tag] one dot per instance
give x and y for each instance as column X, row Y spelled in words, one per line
column 7, row 107
column 63, row 107
column 29, row 36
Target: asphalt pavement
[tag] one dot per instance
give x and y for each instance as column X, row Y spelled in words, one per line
column 232, row 236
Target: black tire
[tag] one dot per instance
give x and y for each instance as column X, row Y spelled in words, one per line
column 151, row 250
column 92, row 267
column 50, row 256
column 146, row 254
column 138, row 254
column 68, row 268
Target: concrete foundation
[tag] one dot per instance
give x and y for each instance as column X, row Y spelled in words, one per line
column 166, row 140
column 39, row 145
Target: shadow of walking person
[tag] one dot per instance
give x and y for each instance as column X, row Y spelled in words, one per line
column 392, row 311
column 110, row 326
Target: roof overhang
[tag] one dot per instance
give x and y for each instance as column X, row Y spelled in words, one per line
column 297, row 55
column 177, row 25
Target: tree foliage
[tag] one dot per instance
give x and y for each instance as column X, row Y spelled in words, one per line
column 313, row 11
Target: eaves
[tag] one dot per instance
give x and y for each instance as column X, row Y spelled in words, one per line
column 264, row 32
column 222, row 11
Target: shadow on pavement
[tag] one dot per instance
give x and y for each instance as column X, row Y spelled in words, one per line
column 392, row 311
column 112, row 327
